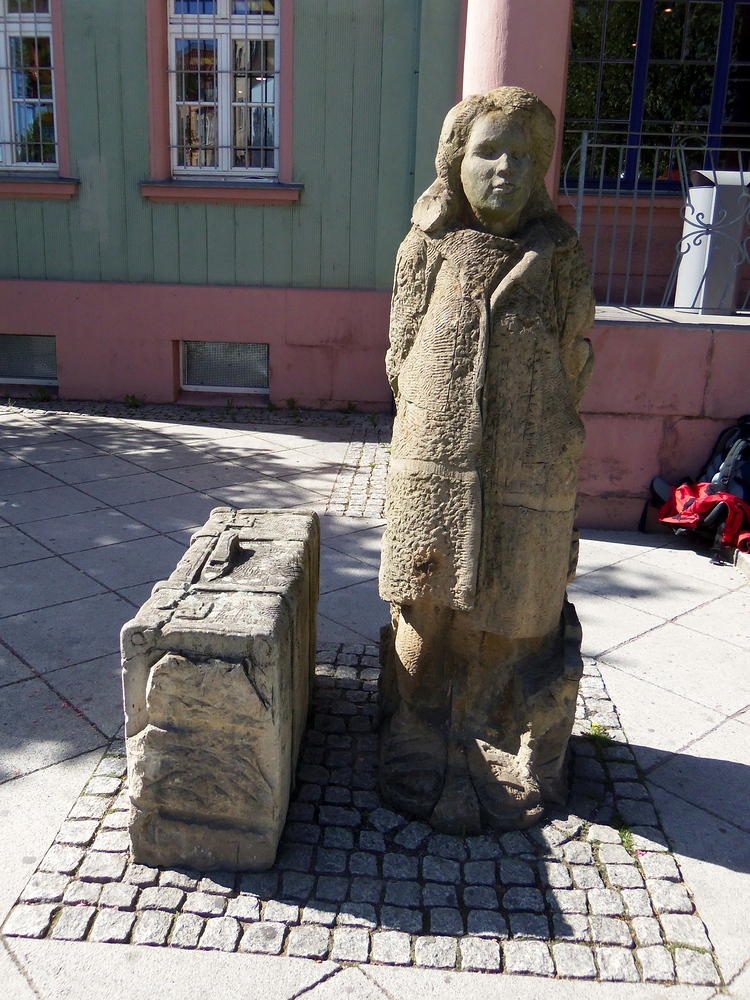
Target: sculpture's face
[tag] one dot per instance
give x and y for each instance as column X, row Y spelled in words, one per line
column 497, row 173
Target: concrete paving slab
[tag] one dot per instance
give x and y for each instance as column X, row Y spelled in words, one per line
column 79, row 631
column 604, row 548
column 316, row 480
column 347, row 984
column 139, row 594
column 11, row 668
column 76, row 532
column 332, row 631
column 111, row 972
column 172, row 513
column 358, row 608
column 126, row 564
column 650, row 588
column 16, row 547
column 8, row 461
column 32, row 809
column 727, row 618
column 212, row 475
column 15, row 985
column 38, row 729
column 607, row 624
column 713, row 774
column 133, row 489
column 25, row 508
column 94, row 688
column 683, row 559
column 267, row 492
column 163, row 455
column 363, row 545
column 338, row 570
column 714, row 856
column 42, row 584
column 96, row 468
column 655, row 724
column 708, row 671
column 739, row 986
column 406, row 984
column 333, row 525
column 53, row 449
column 24, row 479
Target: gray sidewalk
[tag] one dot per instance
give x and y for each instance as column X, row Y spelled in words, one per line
column 95, row 506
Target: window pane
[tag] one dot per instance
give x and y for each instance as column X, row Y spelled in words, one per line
column 254, row 7
column 28, row 6
column 196, row 69
column 195, row 6
column 741, row 35
column 583, row 83
column 586, row 33
column 680, row 93
column 738, row 99
column 617, row 90
column 702, row 38
column 668, row 30
column 196, row 136
column 622, row 29
column 34, row 131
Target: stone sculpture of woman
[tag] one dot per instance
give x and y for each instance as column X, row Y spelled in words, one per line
column 488, row 365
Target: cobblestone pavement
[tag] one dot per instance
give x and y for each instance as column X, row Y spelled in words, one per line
column 593, row 893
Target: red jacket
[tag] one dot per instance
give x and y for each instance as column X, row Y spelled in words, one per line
column 690, row 503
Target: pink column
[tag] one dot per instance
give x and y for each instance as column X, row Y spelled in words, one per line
column 522, row 43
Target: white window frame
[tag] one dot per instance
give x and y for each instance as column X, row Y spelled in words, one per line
column 224, row 27
column 15, row 25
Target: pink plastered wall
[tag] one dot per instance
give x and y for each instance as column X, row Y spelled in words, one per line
column 326, row 347
column 659, row 396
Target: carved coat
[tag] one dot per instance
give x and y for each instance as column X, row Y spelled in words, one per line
column 487, row 364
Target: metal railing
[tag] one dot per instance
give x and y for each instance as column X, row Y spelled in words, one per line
column 634, row 211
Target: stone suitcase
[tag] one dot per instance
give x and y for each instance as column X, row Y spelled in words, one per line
column 217, row 671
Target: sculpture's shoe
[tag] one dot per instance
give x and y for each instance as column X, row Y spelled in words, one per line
column 457, row 811
column 507, row 790
column 413, row 759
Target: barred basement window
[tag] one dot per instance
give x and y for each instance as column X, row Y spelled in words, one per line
column 223, row 70
column 27, row 93
column 31, row 360
column 218, row 367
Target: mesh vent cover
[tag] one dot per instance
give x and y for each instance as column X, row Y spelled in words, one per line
column 212, row 365
column 27, row 359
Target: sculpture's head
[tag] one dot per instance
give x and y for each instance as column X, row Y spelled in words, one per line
column 493, row 153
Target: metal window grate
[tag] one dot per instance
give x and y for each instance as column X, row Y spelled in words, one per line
column 210, row 366
column 224, row 69
column 27, row 100
column 28, row 359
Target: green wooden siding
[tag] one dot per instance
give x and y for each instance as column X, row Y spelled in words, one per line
column 372, row 82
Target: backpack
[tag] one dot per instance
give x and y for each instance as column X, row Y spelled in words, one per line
column 728, row 465
column 690, row 507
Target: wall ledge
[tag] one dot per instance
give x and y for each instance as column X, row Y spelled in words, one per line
column 18, row 185
column 221, row 192
column 653, row 316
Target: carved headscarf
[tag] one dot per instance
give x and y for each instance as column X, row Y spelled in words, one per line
column 444, row 203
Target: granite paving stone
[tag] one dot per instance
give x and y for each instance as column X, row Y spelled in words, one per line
column 160, row 898
column 86, row 892
column 695, row 967
column 480, row 897
column 479, row 954
column 617, row 965
column 569, row 900
column 319, row 913
column 668, row 897
column 647, row 931
column 528, row 957
column 486, row 923
column 220, row 934
column 657, row 964
column 350, row 944
column 436, row 952
column 444, row 920
column 101, row 867
column 62, row 859
column 308, row 941
column 112, row 926
column 574, row 961
column 605, row 902
column 118, row 895
column 681, row 928
column 204, row 904
column 523, row 898
column 31, row 921
column 610, row 930
column 281, row 913
column 187, row 930
column 358, row 915
column 391, row 948
column 152, row 927
column 529, row 925
column 73, row 922
column 439, row 894
column 44, row 887
column 659, row 866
